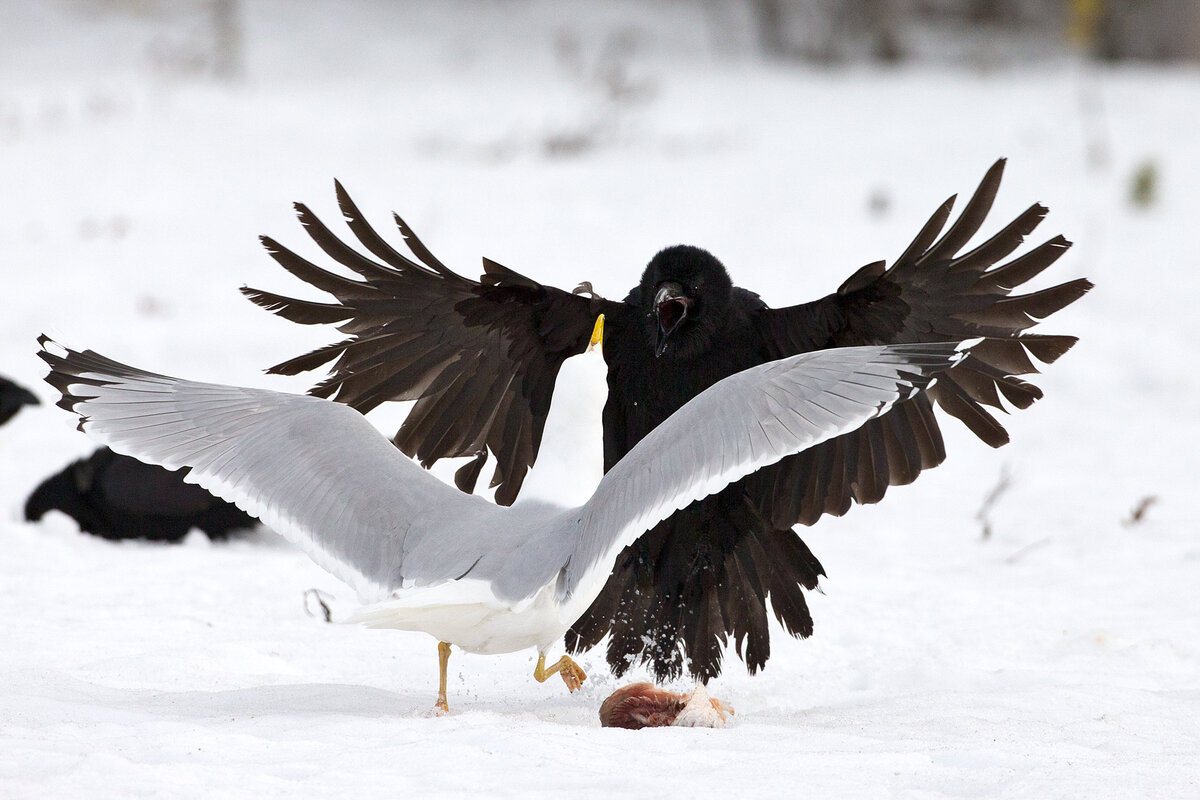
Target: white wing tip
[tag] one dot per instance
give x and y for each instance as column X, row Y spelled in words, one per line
column 52, row 347
column 965, row 345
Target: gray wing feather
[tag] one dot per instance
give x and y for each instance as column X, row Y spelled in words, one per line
column 739, row 425
column 315, row 471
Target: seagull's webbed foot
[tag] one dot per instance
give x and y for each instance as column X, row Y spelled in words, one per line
column 572, row 674
column 441, row 706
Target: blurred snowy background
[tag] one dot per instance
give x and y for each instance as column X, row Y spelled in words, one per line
column 145, row 144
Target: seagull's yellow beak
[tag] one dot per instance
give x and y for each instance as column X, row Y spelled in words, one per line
column 597, row 334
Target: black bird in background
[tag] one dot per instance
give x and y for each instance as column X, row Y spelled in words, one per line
column 118, row 497
column 12, row 397
column 481, row 358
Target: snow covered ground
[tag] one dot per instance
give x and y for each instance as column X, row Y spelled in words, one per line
column 1059, row 657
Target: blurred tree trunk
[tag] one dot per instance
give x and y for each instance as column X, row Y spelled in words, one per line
column 1151, row 30
column 828, row 31
column 227, row 40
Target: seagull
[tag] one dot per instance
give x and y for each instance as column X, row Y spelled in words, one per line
column 422, row 555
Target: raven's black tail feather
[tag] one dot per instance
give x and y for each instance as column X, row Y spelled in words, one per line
column 715, row 589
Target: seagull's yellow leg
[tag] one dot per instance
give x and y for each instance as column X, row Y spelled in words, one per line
column 572, row 674
column 443, row 660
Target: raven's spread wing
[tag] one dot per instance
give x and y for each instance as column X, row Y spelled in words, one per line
column 736, row 426
column 931, row 293
column 480, row 358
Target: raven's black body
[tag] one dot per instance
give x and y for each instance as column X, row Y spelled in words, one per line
column 481, row 358
column 118, row 497
column 672, row 580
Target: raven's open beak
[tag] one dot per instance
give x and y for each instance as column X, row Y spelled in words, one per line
column 671, row 308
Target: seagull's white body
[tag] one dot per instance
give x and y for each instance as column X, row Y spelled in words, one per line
column 486, row 628
column 454, row 612
column 424, row 556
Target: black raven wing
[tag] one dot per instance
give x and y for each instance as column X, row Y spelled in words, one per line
column 931, row 293
column 479, row 357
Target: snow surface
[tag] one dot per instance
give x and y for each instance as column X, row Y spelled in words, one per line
column 1060, row 657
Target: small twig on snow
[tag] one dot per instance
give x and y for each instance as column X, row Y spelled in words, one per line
column 1003, row 484
column 1139, row 511
column 319, row 596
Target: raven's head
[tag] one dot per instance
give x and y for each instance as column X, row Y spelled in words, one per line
column 685, row 292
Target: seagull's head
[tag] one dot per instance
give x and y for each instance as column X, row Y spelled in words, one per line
column 685, row 292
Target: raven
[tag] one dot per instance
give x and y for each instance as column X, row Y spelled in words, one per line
column 117, row 497
column 480, row 360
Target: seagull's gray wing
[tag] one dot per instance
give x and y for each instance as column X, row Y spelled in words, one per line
column 741, row 424
column 315, row 471
column 321, row 475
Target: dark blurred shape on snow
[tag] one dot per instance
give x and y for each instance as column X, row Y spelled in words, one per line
column 118, row 497
column 12, row 397
column 1143, row 189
